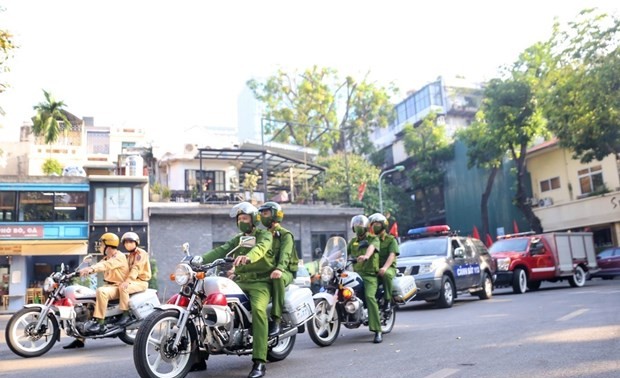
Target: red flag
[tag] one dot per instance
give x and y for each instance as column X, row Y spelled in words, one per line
column 515, row 228
column 489, row 240
column 475, row 233
column 360, row 191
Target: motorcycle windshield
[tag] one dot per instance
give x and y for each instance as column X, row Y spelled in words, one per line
column 335, row 253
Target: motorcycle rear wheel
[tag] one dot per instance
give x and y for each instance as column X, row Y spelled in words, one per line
column 282, row 349
column 129, row 336
column 20, row 336
column 152, row 353
column 323, row 331
column 388, row 320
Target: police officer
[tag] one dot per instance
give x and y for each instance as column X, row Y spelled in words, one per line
column 252, row 269
column 388, row 252
column 365, row 248
column 115, row 269
column 139, row 273
column 286, row 260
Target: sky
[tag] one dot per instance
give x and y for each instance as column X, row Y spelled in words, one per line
column 169, row 66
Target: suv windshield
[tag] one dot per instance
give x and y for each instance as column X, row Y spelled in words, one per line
column 424, row 247
column 509, row 245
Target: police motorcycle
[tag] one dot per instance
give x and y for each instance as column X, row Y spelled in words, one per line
column 211, row 315
column 340, row 300
column 33, row 330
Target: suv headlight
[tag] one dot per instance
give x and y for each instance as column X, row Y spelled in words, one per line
column 503, row 263
column 428, row 268
column 182, row 274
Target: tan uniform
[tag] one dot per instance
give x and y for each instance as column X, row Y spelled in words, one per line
column 114, row 270
column 138, row 277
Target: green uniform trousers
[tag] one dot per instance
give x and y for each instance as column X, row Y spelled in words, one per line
column 259, row 293
column 388, row 285
column 370, row 288
column 278, row 287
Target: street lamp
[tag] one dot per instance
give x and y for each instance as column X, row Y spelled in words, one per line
column 398, row 168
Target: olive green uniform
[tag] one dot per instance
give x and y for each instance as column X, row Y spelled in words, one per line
column 283, row 248
column 368, row 271
column 253, row 279
column 388, row 245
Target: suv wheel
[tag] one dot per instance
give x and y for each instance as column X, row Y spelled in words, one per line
column 446, row 294
column 487, row 287
column 519, row 281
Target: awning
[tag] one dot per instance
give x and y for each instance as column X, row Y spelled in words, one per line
column 43, row 247
column 279, row 166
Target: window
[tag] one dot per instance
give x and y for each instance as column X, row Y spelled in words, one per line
column 591, row 179
column 7, row 206
column 118, row 203
column 52, row 206
column 550, row 184
column 211, row 180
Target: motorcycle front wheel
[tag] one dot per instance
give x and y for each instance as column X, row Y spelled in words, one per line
column 154, row 353
column 22, row 337
column 323, row 330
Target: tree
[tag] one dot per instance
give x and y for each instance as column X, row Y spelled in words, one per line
column 429, row 147
column 581, row 95
column 6, row 52
column 514, row 119
column 483, row 151
column 52, row 167
column 318, row 109
column 46, row 121
column 333, row 189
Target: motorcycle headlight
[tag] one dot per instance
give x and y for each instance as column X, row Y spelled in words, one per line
column 182, row 274
column 327, row 273
column 503, row 263
column 48, row 285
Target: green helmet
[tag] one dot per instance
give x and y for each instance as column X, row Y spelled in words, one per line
column 276, row 213
column 245, row 208
column 379, row 218
column 359, row 221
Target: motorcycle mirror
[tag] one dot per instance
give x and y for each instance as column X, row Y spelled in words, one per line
column 62, row 267
column 186, row 248
column 87, row 258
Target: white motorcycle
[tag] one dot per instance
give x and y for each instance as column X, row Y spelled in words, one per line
column 211, row 315
column 33, row 330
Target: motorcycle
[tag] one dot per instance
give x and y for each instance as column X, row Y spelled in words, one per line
column 211, row 315
column 341, row 299
column 33, row 330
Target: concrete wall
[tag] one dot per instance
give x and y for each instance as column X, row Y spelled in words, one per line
column 172, row 224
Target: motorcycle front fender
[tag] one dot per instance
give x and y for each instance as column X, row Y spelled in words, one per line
column 166, row 306
column 330, row 298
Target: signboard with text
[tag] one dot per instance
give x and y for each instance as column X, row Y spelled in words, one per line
column 20, row 232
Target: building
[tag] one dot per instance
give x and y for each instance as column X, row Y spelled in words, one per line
column 570, row 195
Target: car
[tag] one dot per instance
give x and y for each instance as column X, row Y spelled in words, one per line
column 608, row 262
column 445, row 265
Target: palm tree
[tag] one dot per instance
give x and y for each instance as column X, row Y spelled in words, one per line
column 46, row 121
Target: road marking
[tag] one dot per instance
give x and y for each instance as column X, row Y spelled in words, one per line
column 573, row 314
column 443, row 373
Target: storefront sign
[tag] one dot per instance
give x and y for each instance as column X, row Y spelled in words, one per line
column 15, row 232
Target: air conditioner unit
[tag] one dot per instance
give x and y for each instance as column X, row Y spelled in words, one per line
column 547, row 201
column 191, row 149
column 533, row 201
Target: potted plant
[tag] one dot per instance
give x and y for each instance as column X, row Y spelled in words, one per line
column 250, row 182
column 166, row 193
column 155, row 192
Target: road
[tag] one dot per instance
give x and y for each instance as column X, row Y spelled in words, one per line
column 556, row 332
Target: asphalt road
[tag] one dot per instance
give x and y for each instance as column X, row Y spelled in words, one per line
column 556, row 332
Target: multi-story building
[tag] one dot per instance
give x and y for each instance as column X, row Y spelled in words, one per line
column 570, row 195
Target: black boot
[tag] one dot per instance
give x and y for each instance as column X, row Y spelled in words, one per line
column 258, row 370
column 274, row 328
column 124, row 320
column 378, row 338
column 77, row 343
column 94, row 327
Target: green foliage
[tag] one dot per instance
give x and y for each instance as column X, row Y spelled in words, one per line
column 334, row 189
column 166, row 193
column 581, row 95
column 154, row 270
column 46, row 121
column 52, row 166
column 6, row 52
column 250, row 181
column 319, row 109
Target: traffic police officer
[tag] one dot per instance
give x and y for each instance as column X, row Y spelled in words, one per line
column 286, row 260
column 388, row 252
column 115, row 269
column 365, row 248
column 252, row 269
column 139, row 273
